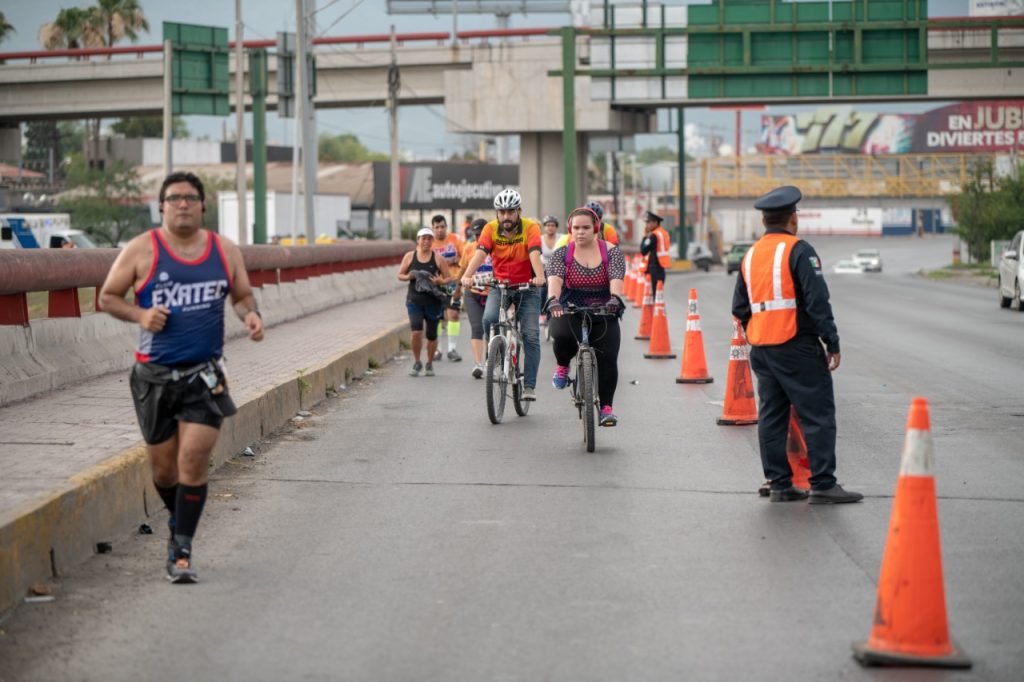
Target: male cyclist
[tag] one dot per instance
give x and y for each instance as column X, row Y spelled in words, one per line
column 513, row 243
column 448, row 246
column 607, row 232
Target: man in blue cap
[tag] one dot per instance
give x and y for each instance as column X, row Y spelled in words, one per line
column 783, row 303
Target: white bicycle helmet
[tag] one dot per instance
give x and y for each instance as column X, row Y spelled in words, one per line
column 508, row 199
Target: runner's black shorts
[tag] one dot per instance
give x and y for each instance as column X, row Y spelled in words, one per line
column 160, row 406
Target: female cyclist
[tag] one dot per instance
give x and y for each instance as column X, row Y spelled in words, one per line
column 587, row 272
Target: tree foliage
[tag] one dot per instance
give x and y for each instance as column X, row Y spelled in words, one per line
column 6, row 29
column 345, row 148
column 105, row 24
column 64, row 138
column 988, row 207
column 107, row 203
column 149, row 126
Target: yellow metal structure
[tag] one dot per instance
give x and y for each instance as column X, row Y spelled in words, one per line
column 836, row 176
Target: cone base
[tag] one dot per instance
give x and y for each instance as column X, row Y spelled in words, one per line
column 704, row 380
column 726, row 421
column 867, row 656
column 660, row 356
column 642, row 338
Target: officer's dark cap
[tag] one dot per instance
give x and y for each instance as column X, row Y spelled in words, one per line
column 780, row 201
column 653, row 216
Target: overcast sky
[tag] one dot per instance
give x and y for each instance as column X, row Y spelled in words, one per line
column 421, row 129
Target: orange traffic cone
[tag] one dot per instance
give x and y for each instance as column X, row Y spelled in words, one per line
column 694, row 369
column 660, row 348
column 629, row 288
column 910, row 625
column 641, row 282
column 646, row 315
column 740, row 407
column 796, row 452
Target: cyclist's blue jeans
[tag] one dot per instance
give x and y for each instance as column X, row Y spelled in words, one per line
column 528, row 304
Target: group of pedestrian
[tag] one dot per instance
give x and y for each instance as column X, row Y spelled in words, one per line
column 182, row 275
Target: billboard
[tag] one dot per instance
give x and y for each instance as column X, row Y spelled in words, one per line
column 964, row 127
column 996, row 8
column 434, row 186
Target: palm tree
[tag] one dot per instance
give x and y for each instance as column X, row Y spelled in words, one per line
column 5, row 28
column 118, row 19
column 73, row 28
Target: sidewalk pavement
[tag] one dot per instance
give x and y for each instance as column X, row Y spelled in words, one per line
column 74, row 470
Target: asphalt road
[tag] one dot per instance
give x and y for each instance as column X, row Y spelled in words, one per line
column 399, row 536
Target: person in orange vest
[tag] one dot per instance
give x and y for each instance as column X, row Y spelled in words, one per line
column 788, row 317
column 655, row 247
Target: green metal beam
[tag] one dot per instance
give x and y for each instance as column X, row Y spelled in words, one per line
column 569, row 115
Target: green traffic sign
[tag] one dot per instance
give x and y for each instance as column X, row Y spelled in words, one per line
column 200, row 82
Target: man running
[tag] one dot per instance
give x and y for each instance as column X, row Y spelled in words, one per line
column 181, row 275
column 513, row 243
column 448, row 246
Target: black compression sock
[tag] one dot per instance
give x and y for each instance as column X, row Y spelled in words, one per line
column 191, row 499
column 169, row 496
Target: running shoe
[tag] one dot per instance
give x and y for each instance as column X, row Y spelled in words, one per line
column 180, row 570
column 437, row 356
column 416, row 369
column 454, row 356
column 478, row 371
column 608, row 417
column 560, row 379
column 430, row 369
column 529, row 394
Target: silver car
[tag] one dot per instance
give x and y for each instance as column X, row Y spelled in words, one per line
column 1011, row 274
column 869, row 259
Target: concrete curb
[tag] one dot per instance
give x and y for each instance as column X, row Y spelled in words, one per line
column 47, row 538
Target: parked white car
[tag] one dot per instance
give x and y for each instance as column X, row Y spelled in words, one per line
column 1011, row 274
column 869, row 259
column 848, row 267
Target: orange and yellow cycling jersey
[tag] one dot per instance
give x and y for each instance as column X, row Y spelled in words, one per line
column 511, row 254
column 450, row 249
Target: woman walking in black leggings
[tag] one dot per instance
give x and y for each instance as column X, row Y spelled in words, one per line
column 587, row 272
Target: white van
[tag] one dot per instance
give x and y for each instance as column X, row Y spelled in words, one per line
column 47, row 230
column 1011, row 274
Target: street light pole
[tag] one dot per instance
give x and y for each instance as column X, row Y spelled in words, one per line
column 393, row 87
column 240, row 185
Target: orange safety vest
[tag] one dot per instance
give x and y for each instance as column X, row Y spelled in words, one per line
column 771, row 290
column 661, row 251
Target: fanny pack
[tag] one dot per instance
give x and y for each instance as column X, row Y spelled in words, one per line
column 211, row 373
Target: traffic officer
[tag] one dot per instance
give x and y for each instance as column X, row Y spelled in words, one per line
column 787, row 315
column 655, row 247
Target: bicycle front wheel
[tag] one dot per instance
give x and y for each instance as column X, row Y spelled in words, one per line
column 496, row 381
column 588, row 403
column 516, row 370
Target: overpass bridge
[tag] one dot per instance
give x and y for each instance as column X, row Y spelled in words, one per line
column 490, row 82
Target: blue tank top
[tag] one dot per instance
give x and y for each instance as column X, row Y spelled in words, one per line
column 194, row 291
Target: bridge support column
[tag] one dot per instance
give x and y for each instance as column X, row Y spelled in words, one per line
column 10, row 143
column 541, row 174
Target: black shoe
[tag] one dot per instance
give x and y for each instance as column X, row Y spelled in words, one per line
column 180, row 571
column 834, row 495
column 790, row 494
column 765, row 489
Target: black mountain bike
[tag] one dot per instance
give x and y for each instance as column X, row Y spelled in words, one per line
column 505, row 357
column 583, row 383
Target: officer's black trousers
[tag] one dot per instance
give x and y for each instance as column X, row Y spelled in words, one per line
column 795, row 373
